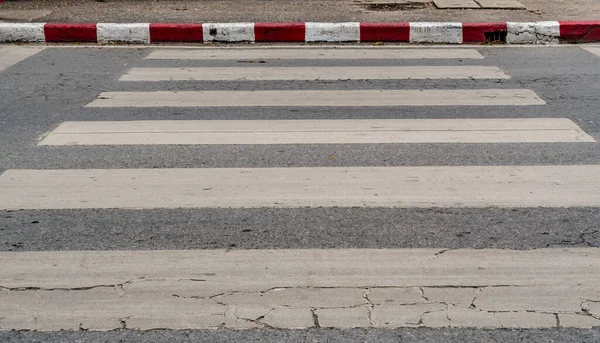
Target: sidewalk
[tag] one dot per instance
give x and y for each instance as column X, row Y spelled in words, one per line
column 131, row 11
column 418, row 21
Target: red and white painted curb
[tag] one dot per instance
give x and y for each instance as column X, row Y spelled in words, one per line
column 543, row 32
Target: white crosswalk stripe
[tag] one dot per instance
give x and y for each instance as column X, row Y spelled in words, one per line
column 324, row 98
column 594, row 50
column 340, row 131
column 549, row 186
column 285, row 288
column 313, row 54
column 299, row 288
column 12, row 55
column 312, row 73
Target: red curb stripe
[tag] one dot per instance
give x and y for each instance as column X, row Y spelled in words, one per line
column 191, row 33
column 279, row 32
column 384, row 32
column 58, row 33
column 475, row 32
column 570, row 32
column 580, row 31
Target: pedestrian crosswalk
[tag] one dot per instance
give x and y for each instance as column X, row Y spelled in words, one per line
column 523, row 186
column 338, row 131
column 298, row 288
column 313, row 54
column 594, row 50
column 321, row 98
column 312, row 73
column 12, row 55
column 328, row 288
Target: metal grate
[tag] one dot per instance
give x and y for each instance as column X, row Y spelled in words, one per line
column 498, row 37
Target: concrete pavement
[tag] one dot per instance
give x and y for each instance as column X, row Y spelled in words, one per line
column 193, row 11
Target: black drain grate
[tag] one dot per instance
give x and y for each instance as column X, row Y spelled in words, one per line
column 498, row 37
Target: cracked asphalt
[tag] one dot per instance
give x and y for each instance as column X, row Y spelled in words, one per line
column 348, row 289
column 54, row 85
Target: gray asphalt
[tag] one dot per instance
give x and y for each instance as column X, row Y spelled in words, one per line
column 54, row 85
column 311, row 336
column 527, row 228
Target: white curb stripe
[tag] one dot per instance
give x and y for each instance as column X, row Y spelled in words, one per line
column 464, row 186
column 342, row 131
column 124, row 33
column 547, row 32
column 332, row 32
column 520, row 33
column 436, row 33
column 327, row 98
column 199, row 289
column 230, row 32
column 542, row 32
column 22, row 32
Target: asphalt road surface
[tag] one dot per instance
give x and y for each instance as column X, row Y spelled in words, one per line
column 146, row 149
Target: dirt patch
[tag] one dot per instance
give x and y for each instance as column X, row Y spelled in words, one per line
column 397, row 6
column 23, row 15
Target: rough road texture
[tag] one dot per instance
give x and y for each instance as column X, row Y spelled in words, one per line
column 285, row 10
column 54, row 85
column 299, row 289
column 310, row 336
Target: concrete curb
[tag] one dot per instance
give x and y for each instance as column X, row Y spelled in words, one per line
column 543, row 32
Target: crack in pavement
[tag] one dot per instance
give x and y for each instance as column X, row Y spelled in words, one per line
column 437, row 254
column 450, row 322
column 315, row 318
column 581, row 240
column 587, row 33
column 231, row 309
column 420, row 321
column 476, row 290
column 50, row 289
column 369, row 306
column 585, row 308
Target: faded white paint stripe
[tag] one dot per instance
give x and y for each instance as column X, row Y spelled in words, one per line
column 198, row 289
column 228, row 32
column 424, row 32
column 503, row 186
column 303, row 98
column 593, row 50
column 313, row 73
column 14, row 54
column 127, row 33
column 534, row 130
column 520, row 33
column 548, row 31
column 22, row 32
column 332, row 32
column 542, row 32
column 296, row 54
